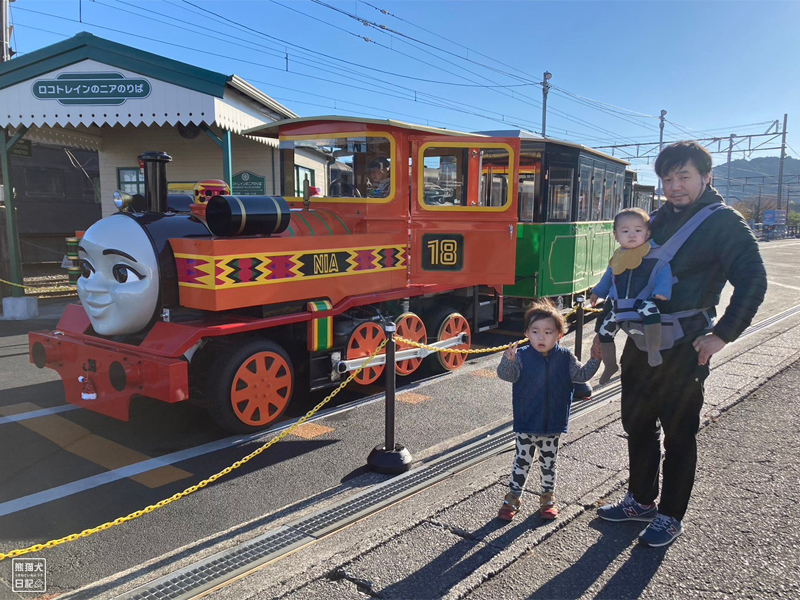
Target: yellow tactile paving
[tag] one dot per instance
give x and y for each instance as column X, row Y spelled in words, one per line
column 309, row 431
column 412, row 398
column 94, row 448
column 484, row 373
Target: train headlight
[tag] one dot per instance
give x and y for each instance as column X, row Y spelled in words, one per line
column 122, row 200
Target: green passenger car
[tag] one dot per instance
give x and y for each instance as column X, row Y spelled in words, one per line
column 560, row 259
column 568, row 196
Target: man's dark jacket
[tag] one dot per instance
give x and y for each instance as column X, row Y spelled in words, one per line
column 722, row 249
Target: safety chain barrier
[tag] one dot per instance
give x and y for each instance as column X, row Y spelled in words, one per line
column 403, row 340
column 274, row 440
column 135, row 515
column 586, row 310
column 69, row 288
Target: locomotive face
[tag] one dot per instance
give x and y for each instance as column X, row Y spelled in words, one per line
column 119, row 284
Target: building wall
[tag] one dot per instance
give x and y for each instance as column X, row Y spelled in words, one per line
column 192, row 159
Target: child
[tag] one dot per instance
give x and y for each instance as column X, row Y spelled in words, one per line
column 542, row 374
column 643, row 281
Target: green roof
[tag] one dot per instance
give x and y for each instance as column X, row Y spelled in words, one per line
column 85, row 46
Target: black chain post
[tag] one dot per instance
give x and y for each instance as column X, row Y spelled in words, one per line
column 581, row 391
column 579, row 320
column 391, row 458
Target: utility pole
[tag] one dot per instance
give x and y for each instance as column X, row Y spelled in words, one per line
column 5, row 34
column 758, row 207
column 783, row 158
column 730, row 151
column 660, row 147
column 545, row 88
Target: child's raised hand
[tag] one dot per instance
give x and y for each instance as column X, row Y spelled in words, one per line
column 511, row 351
column 593, row 299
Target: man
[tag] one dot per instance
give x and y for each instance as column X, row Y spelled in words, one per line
column 670, row 396
column 379, row 177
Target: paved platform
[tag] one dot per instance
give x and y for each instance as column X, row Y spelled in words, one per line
column 741, row 538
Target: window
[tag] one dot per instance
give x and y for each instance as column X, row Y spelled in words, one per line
column 608, row 199
column 342, row 166
column 584, row 193
column 597, row 194
column 619, row 190
column 130, row 180
column 445, row 176
column 467, row 177
column 560, row 196
column 44, row 182
column 300, row 175
column 530, row 169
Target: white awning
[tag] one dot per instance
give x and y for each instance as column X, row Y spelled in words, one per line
column 90, row 93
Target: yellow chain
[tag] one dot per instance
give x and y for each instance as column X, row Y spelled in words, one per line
column 70, row 288
column 135, row 515
column 239, row 463
column 451, row 350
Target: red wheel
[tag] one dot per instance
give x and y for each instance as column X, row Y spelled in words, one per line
column 251, row 386
column 411, row 327
column 449, row 324
column 364, row 340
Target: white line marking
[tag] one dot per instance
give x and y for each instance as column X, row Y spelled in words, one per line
column 88, row 483
column 791, row 287
column 35, row 414
column 75, row 487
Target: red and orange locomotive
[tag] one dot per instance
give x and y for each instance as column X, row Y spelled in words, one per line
column 239, row 306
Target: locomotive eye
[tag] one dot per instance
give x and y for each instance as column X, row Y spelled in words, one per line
column 121, row 272
column 86, row 268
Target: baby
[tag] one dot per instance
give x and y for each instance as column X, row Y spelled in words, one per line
column 628, row 277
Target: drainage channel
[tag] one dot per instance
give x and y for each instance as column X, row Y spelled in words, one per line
column 770, row 321
column 215, row 570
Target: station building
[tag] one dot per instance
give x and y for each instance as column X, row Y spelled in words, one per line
column 76, row 115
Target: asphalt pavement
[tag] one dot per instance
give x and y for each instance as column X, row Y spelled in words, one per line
column 741, row 536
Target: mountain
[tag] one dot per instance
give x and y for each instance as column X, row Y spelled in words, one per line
column 746, row 176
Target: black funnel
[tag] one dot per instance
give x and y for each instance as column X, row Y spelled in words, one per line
column 155, row 180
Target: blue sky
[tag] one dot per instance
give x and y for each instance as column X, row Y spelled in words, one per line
column 716, row 67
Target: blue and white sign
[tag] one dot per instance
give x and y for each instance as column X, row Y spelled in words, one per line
column 97, row 89
column 774, row 217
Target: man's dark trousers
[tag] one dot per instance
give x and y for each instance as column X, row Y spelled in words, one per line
column 672, row 394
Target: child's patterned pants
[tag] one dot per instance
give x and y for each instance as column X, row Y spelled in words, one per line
column 548, row 450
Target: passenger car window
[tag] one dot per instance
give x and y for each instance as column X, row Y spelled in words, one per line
column 467, row 177
column 340, row 166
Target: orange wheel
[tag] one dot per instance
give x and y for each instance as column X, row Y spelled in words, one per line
column 364, row 340
column 450, row 324
column 411, row 327
column 251, row 386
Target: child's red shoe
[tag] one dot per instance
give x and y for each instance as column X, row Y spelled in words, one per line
column 548, row 509
column 510, row 507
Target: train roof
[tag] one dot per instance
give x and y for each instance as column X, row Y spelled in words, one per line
column 272, row 129
column 526, row 135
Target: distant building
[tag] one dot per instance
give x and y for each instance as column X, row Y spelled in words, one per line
column 88, row 107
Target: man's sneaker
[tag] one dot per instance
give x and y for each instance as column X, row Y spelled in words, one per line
column 628, row 509
column 662, row 531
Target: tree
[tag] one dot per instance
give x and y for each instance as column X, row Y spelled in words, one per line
column 753, row 207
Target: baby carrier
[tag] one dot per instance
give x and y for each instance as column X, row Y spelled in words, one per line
column 626, row 314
